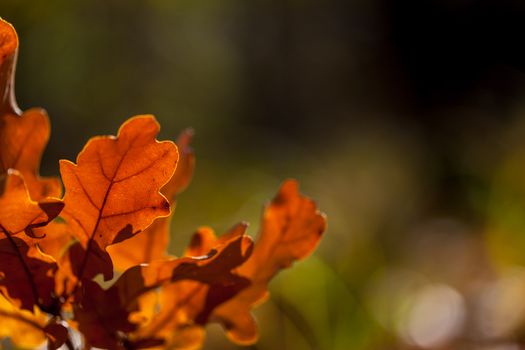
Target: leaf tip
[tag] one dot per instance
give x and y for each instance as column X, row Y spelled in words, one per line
column 8, row 39
column 289, row 188
column 146, row 123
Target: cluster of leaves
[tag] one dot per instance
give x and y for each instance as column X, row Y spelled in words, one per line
column 115, row 216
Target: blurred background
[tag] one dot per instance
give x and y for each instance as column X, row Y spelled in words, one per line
column 404, row 120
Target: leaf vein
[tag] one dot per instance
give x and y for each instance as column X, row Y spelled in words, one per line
column 143, row 169
column 127, row 212
column 102, row 167
column 88, row 196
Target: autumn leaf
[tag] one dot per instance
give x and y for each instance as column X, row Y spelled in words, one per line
column 112, row 193
column 23, row 136
column 27, row 274
column 185, row 306
column 213, row 269
column 18, row 213
column 291, row 229
column 22, row 141
column 152, row 244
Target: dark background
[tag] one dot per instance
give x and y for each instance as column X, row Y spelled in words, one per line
column 405, row 120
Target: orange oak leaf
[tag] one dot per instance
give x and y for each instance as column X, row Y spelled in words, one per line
column 23, row 137
column 112, row 193
column 152, row 244
column 186, row 305
column 22, row 141
column 290, row 230
column 18, row 213
column 108, row 311
column 212, row 269
column 27, row 274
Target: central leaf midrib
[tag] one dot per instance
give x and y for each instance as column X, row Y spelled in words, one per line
column 101, row 210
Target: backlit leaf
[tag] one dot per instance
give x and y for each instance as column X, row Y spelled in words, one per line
column 18, row 213
column 112, row 193
column 290, row 230
column 105, row 322
column 27, row 274
column 152, row 244
column 23, row 136
column 212, row 269
column 184, row 306
column 22, row 141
